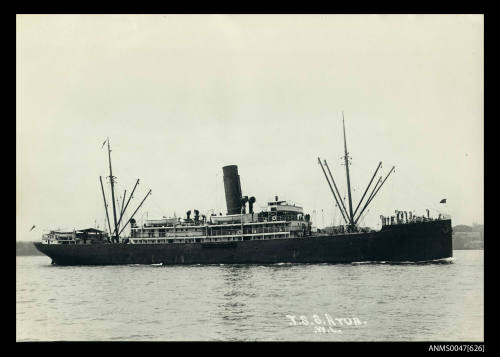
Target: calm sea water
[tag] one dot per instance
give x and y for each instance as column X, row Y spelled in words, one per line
column 288, row 302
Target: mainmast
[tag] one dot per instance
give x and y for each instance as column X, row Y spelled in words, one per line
column 350, row 217
column 346, row 160
column 112, row 182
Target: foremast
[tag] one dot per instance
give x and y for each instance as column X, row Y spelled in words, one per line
column 112, row 183
column 115, row 233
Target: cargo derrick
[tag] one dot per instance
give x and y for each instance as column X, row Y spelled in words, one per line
column 349, row 216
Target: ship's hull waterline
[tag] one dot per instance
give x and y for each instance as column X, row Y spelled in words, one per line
column 412, row 242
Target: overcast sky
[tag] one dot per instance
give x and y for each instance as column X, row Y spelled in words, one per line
column 180, row 96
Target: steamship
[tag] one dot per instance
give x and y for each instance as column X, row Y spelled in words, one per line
column 279, row 233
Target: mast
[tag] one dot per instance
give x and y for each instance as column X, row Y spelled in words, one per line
column 350, row 217
column 346, row 160
column 105, row 204
column 111, row 180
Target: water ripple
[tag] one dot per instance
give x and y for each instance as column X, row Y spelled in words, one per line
column 425, row 301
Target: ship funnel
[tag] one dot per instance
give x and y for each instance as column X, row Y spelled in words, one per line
column 251, row 201
column 232, row 188
column 188, row 213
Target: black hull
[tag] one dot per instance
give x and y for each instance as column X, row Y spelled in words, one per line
column 395, row 243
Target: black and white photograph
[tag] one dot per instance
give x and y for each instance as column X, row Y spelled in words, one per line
column 250, row 177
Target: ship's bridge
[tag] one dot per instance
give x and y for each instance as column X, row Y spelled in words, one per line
column 282, row 210
column 283, row 206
